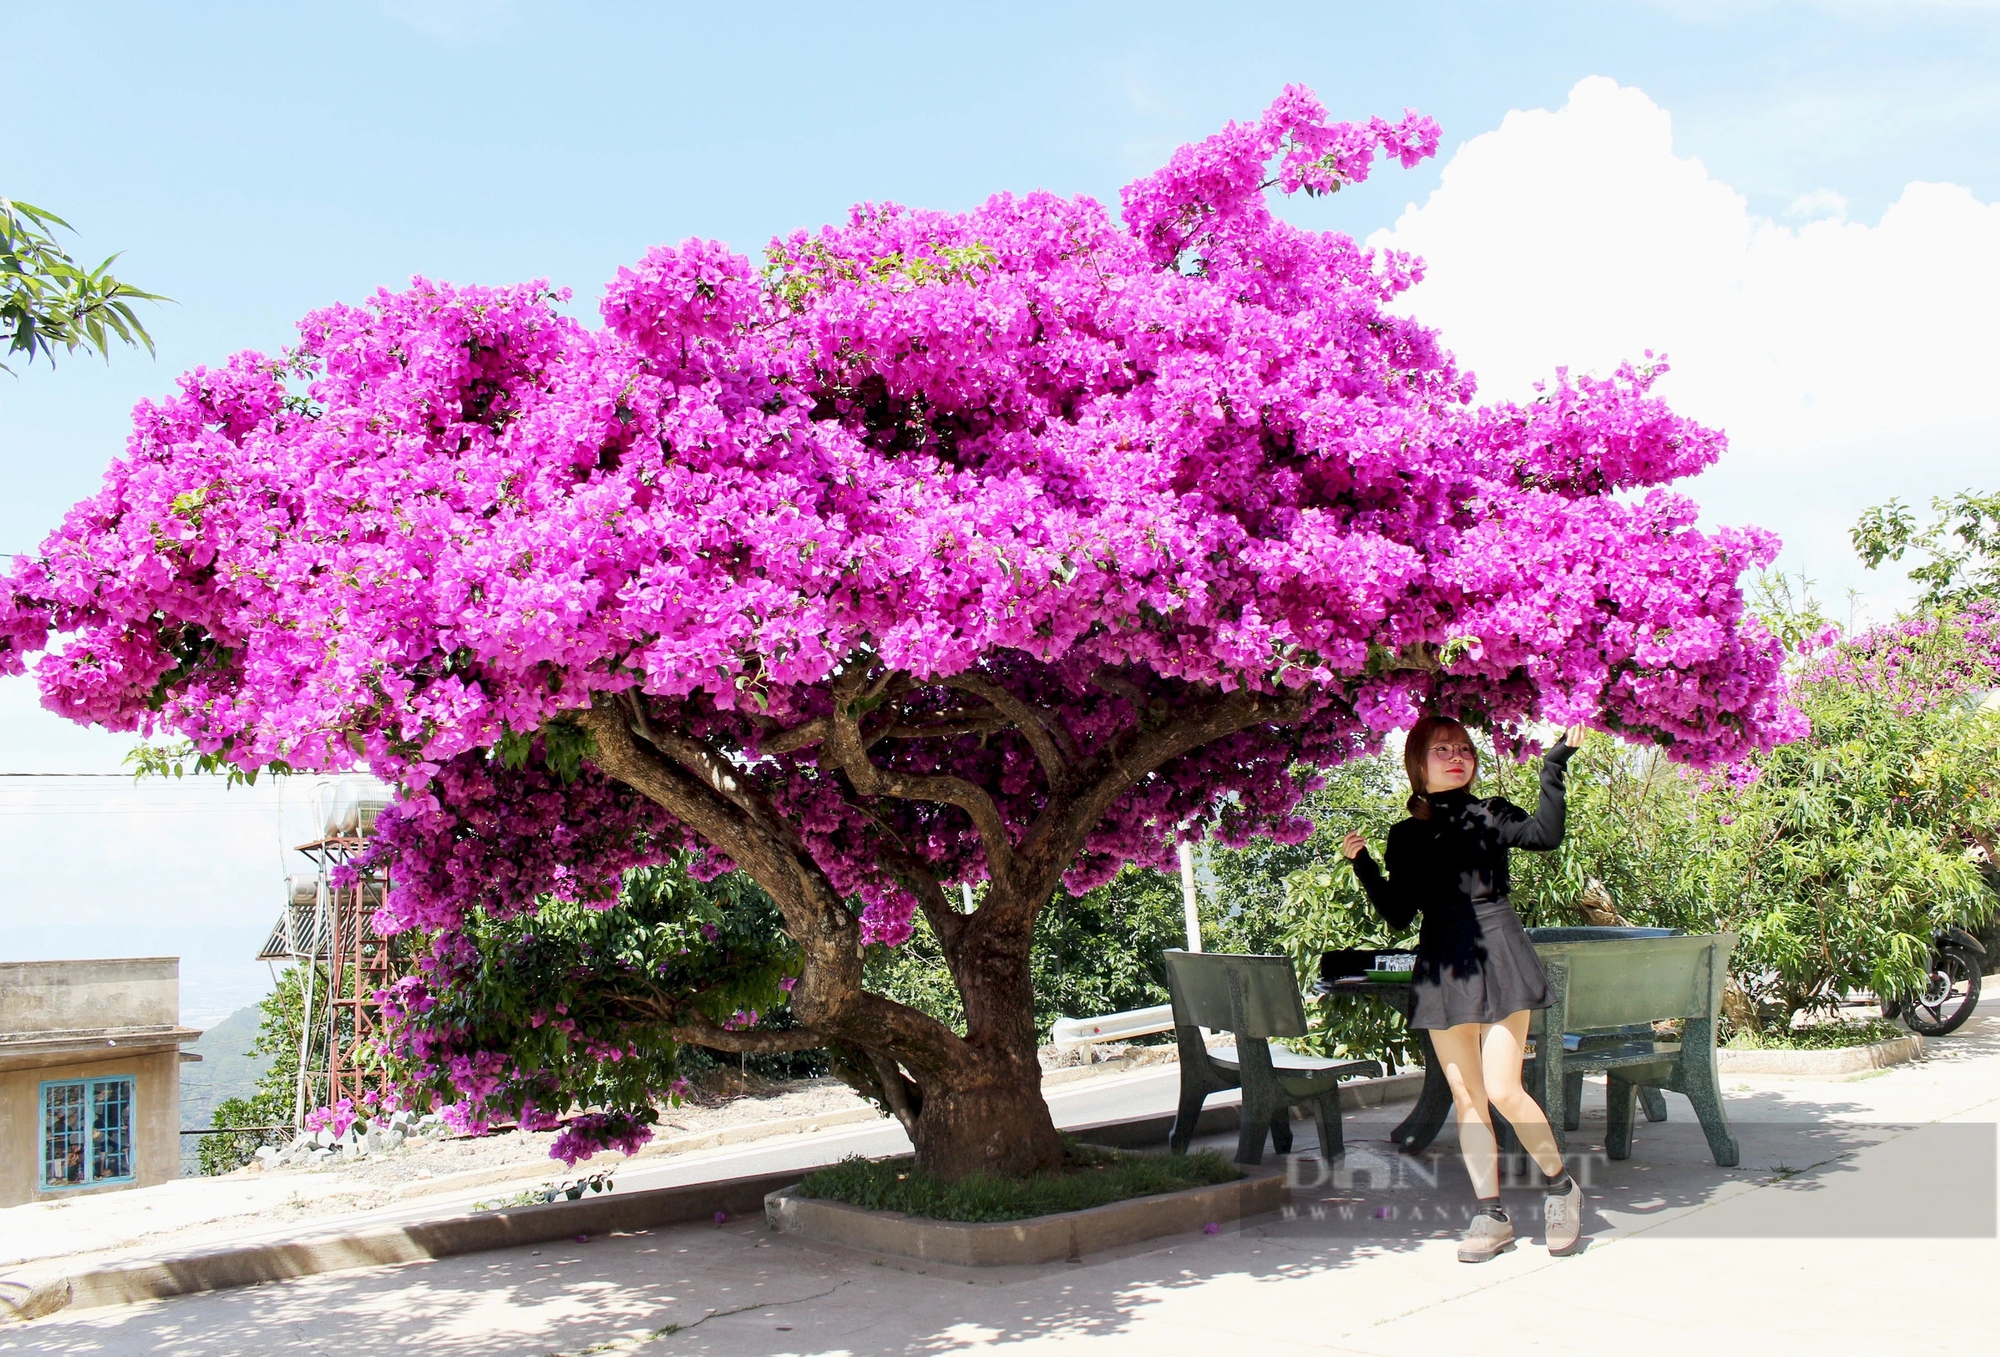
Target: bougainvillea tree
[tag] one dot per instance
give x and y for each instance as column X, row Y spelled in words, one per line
column 998, row 547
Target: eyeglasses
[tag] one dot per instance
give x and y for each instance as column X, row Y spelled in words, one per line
column 1445, row 751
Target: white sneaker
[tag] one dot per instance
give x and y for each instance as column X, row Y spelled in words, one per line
column 1485, row 1238
column 1562, row 1218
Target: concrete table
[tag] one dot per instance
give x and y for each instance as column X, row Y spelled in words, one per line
column 1415, row 1132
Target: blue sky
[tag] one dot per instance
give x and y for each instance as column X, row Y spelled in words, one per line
column 256, row 161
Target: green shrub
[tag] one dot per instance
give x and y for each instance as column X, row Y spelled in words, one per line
column 1821, row 1036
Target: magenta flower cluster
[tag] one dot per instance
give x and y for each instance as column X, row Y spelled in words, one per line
column 337, row 1119
column 1919, row 662
column 591, row 1132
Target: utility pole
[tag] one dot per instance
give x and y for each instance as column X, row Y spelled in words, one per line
column 1189, row 898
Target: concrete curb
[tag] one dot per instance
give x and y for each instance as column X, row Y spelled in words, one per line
column 1147, row 1133
column 36, row 1290
column 1821, row 1064
column 1124, row 1064
column 1043, row 1239
column 149, row 1279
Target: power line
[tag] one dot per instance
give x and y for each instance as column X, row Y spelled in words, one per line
column 141, row 780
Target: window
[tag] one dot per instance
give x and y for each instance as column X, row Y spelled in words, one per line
column 86, row 1132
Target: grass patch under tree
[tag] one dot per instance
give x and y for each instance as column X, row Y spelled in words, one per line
column 1090, row 1176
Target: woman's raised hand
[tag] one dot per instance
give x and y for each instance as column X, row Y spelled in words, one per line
column 1353, row 846
column 1573, row 737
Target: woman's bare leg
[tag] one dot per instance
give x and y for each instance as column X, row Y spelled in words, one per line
column 1501, row 1047
column 1458, row 1052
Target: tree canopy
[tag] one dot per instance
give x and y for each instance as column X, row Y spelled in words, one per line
column 1005, row 546
column 1960, row 546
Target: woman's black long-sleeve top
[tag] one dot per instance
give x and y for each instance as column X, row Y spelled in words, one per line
column 1456, row 860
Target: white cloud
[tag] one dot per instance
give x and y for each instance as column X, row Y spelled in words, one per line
column 1847, row 362
column 1821, row 202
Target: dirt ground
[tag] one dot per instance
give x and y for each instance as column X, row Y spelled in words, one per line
column 704, row 1111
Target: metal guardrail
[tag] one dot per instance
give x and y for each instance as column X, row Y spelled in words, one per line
column 1070, row 1033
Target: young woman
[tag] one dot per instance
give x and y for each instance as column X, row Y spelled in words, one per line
column 1477, row 975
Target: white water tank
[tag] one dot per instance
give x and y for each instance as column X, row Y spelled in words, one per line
column 352, row 804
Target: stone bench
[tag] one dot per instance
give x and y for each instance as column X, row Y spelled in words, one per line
column 1255, row 999
column 1607, row 993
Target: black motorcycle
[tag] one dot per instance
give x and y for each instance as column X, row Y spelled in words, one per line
column 1951, row 987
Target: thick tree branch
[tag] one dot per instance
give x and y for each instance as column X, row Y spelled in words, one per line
column 712, row 768
column 919, row 880
column 1065, row 824
column 740, row 826
column 798, row 737
column 1036, row 727
column 861, row 1071
column 895, row 1090
column 849, row 753
column 987, row 723
column 701, row 1031
column 830, row 1000
column 966, row 721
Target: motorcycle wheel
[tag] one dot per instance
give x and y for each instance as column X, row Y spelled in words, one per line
column 1950, row 993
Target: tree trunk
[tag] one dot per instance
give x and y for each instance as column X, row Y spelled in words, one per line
column 986, row 1114
column 998, row 1126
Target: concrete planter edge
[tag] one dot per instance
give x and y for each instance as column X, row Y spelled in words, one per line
column 1847, row 1060
column 1041, row 1239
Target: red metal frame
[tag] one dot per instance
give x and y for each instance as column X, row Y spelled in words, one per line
column 359, row 963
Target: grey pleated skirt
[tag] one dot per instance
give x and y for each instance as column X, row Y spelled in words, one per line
column 1497, row 974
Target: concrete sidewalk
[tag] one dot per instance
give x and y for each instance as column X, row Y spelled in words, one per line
column 1855, row 1203
column 173, row 1240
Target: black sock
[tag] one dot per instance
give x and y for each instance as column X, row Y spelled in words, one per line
column 1493, row 1209
column 1559, row 1184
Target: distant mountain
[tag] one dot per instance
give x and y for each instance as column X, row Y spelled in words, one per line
column 227, row 1069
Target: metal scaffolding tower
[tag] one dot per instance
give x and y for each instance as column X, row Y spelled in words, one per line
column 326, row 929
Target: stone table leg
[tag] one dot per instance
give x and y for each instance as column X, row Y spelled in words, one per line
column 1426, row 1119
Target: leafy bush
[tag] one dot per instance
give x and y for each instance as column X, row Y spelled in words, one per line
column 579, row 1005
column 1838, row 857
column 1835, row 858
column 1819, row 1036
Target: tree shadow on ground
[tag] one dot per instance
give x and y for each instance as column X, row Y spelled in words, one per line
column 1373, row 1227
